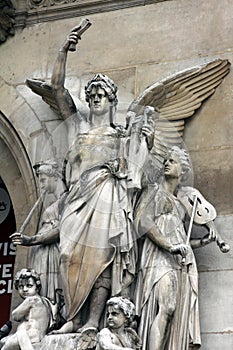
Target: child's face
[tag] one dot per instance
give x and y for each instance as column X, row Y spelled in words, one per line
column 27, row 287
column 115, row 317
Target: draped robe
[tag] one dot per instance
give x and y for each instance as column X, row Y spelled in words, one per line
column 168, row 214
column 95, row 224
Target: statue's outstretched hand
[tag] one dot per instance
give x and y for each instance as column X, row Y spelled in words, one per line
column 213, row 233
column 19, row 239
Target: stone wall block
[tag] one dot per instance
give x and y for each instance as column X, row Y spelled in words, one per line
column 216, row 296
column 217, row 341
column 213, row 177
column 187, row 33
column 29, row 48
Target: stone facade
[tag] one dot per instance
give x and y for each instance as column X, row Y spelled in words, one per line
column 135, row 46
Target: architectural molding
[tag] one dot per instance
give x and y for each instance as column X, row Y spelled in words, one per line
column 37, row 11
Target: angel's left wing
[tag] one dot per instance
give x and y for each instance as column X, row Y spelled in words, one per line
column 177, row 98
column 46, row 91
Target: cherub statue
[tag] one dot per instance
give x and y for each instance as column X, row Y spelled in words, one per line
column 35, row 314
column 98, row 251
column 118, row 335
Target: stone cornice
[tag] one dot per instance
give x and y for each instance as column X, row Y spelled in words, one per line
column 37, row 11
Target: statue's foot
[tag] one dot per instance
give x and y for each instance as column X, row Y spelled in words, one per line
column 92, row 326
column 68, row 327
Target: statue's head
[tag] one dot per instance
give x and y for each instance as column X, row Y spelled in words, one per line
column 48, row 167
column 124, row 305
column 102, row 81
column 27, row 282
column 182, row 156
column 48, row 172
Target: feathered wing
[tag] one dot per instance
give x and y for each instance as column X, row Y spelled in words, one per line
column 177, row 98
column 48, row 95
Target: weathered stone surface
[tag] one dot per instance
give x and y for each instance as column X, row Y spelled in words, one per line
column 64, row 342
column 215, row 290
column 212, row 168
column 9, row 98
column 28, row 45
column 217, row 341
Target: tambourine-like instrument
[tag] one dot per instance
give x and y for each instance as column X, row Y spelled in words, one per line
column 200, row 211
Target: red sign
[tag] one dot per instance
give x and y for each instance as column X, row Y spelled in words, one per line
column 7, row 252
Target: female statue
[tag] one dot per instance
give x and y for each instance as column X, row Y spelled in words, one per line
column 167, row 286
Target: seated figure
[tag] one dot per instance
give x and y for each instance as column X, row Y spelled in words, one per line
column 118, row 335
column 34, row 314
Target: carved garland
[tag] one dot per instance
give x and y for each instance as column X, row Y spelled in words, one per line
column 41, row 3
column 7, row 20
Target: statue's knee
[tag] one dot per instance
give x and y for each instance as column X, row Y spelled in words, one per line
column 171, row 308
column 168, row 308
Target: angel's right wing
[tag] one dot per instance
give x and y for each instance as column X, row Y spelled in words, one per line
column 177, row 98
column 48, row 95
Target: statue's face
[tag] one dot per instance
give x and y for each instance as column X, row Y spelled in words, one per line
column 46, row 183
column 98, row 101
column 173, row 167
column 27, row 287
column 115, row 317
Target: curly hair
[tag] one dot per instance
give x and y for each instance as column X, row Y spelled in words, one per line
column 26, row 274
column 125, row 305
column 48, row 167
column 184, row 159
column 105, row 83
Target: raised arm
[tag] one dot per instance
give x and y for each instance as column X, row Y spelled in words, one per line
column 64, row 99
column 22, row 311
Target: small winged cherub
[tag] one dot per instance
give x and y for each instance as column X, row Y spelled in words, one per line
column 35, row 315
column 118, row 334
column 98, row 207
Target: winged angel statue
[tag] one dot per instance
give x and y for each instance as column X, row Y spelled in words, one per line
column 109, row 167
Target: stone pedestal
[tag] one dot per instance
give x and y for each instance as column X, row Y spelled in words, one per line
column 70, row 341
column 61, row 341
